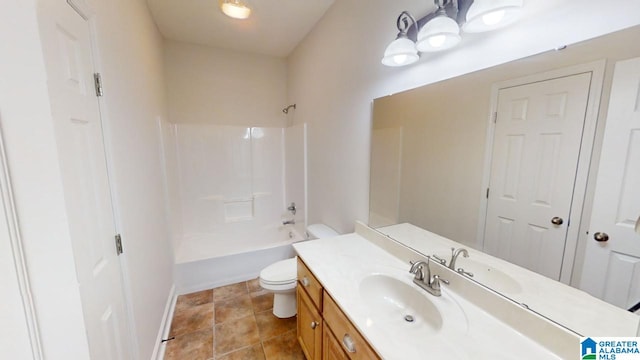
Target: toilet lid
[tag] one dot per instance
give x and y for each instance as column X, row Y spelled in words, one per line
column 281, row 272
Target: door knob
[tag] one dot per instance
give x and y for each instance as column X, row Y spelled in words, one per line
column 314, row 324
column 601, row 237
column 557, row 220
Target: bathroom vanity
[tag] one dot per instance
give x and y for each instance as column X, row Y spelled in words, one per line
column 357, row 300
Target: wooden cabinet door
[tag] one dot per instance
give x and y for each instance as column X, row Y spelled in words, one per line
column 309, row 326
column 331, row 348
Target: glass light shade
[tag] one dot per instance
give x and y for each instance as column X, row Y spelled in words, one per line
column 400, row 52
column 440, row 33
column 235, row 9
column 486, row 15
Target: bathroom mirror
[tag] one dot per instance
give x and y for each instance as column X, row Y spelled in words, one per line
column 429, row 145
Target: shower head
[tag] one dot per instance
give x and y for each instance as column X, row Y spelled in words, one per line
column 286, row 110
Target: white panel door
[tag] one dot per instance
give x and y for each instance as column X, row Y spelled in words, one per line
column 536, row 146
column 612, row 267
column 66, row 41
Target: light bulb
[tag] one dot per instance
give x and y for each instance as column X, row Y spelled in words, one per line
column 400, row 52
column 437, row 40
column 493, row 17
column 400, row 59
column 438, row 34
column 236, row 9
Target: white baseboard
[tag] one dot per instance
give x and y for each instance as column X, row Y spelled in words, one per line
column 165, row 326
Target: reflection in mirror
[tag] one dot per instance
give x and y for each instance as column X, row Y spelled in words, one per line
column 429, row 168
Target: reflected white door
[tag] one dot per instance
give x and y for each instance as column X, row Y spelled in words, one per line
column 537, row 141
column 66, row 42
column 612, row 267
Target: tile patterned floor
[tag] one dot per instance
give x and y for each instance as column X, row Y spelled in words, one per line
column 233, row 322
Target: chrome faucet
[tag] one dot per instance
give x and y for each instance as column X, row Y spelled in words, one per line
column 424, row 279
column 289, row 222
column 454, row 256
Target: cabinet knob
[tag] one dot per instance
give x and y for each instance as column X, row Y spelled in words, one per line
column 314, row 324
column 305, row 281
column 348, row 343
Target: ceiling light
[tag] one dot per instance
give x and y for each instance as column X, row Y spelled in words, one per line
column 402, row 51
column 486, row 15
column 440, row 33
column 236, row 9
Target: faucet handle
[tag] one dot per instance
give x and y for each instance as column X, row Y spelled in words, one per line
column 439, row 259
column 439, row 279
column 292, row 208
column 435, row 282
column 462, row 271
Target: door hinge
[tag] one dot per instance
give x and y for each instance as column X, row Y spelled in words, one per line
column 118, row 244
column 495, row 117
column 97, row 81
column 487, row 193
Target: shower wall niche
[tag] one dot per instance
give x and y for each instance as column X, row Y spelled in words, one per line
column 226, row 187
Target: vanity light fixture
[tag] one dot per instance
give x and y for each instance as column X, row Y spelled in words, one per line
column 236, row 9
column 402, row 51
column 440, row 29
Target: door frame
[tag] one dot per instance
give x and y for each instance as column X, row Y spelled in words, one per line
column 17, row 256
column 576, row 218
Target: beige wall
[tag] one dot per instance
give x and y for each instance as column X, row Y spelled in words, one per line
column 335, row 73
column 442, row 154
column 224, row 87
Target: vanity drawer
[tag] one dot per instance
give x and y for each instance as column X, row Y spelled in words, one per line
column 353, row 344
column 310, row 284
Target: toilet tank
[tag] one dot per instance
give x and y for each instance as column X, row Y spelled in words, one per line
column 319, row 231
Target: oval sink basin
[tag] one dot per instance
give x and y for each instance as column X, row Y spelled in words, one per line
column 393, row 302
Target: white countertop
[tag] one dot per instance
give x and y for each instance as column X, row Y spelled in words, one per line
column 341, row 263
column 574, row 308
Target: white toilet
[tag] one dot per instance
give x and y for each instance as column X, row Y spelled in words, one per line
column 280, row 278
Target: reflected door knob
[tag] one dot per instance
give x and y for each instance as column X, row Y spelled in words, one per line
column 601, row 237
column 557, row 220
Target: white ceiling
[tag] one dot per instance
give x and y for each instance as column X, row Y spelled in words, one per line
column 274, row 28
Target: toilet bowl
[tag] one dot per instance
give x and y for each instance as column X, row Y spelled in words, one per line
column 280, row 278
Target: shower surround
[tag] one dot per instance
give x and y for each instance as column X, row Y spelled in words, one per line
column 228, row 188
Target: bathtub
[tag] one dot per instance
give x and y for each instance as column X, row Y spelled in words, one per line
column 205, row 261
